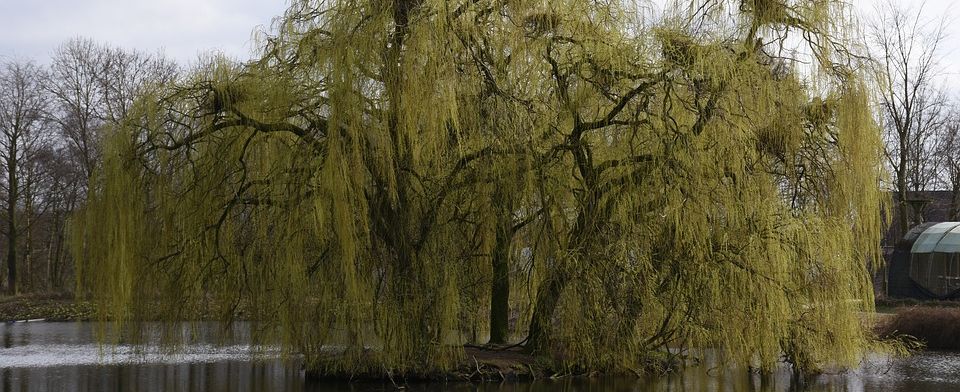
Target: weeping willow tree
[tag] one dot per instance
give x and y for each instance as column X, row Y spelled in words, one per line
column 392, row 179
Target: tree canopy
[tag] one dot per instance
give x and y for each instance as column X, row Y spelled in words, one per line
column 363, row 191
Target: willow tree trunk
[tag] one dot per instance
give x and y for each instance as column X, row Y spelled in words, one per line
column 400, row 215
column 539, row 334
column 500, row 286
column 548, row 297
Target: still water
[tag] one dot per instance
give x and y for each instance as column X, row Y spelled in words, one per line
column 65, row 357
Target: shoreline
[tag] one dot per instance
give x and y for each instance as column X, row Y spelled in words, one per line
column 53, row 307
column 480, row 364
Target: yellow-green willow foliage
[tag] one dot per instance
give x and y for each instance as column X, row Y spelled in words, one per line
column 358, row 190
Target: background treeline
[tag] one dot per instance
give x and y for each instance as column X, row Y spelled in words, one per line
column 52, row 120
column 917, row 109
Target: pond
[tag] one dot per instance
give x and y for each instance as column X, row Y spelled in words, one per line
column 43, row 356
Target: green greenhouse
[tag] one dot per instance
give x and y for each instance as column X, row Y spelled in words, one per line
column 926, row 263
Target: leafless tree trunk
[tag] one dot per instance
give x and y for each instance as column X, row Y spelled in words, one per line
column 907, row 51
column 75, row 74
column 23, row 115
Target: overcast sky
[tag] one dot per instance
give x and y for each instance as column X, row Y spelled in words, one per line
column 182, row 29
column 933, row 12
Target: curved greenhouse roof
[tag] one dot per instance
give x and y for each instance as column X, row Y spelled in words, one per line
column 942, row 237
column 925, row 264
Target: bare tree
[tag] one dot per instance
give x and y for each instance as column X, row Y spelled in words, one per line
column 92, row 86
column 912, row 104
column 126, row 75
column 95, row 85
column 61, row 197
column 949, row 153
column 23, row 118
column 75, row 74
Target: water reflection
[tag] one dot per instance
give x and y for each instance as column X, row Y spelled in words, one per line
column 214, row 376
column 65, row 357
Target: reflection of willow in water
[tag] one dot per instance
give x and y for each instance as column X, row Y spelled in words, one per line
column 402, row 171
column 238, row 371
column 928, row 371
column 222, row 376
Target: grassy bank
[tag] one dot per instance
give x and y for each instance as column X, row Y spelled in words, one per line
column 501, row 363
column 50, row 307
column 479, row 364
column 891, row 305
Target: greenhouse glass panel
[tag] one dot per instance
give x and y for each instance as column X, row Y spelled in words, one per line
column 928, row 241
column 950, row 243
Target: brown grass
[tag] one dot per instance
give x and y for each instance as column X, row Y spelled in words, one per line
column 937, row 327
column 49, row 306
